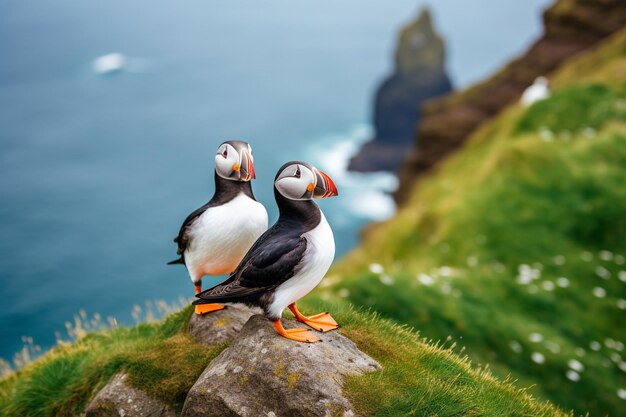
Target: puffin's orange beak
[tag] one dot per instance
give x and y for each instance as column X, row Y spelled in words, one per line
column 246, row 170
column 325, row 186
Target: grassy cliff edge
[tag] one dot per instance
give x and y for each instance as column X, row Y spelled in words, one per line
column 419, row 377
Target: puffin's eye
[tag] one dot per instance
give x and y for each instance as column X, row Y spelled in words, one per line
column 225, row 153
column 298, row 173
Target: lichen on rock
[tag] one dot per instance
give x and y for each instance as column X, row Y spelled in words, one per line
column 220, row 326
column 262, row 373
column 118, row 399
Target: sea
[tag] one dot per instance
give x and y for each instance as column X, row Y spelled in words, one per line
column 98, row 168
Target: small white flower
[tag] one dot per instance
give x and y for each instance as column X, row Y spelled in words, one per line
column 559, row 260
column 622, row 276
column 472, row 261
column 538, row 358
column 621, row 393
column 524, row 279
column 515, row 346
column 621, row 304
column 586, row 256
column 535, row 337
column 615, row 357
column 606, row 255
column 610, row 343
column 376, row 268
column 344, row 293
column 553, row 347
column 547, row 285
column 580, row 352
column 619, row 346
column 572, row 375
column 562, row 282
column 546, row 134
column 622, row 366
column 445, row 271
column 576, row 365
column 386, row 279
column 619, row 260
column 603, row 273
column 589, row 132
column 425, row 279
column 599, row 292
column 595, row 345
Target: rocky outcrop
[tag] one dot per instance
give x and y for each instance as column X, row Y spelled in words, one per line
column 219, row 326
column 263, row 374
column 118, row 399
column 419, row 74
column 260, row 374
column 571, row 26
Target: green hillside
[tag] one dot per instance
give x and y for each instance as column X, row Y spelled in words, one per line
column 419, row 378
column 515, row 247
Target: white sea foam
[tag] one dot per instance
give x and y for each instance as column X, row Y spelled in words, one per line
column 116, row 62
column 366, row 195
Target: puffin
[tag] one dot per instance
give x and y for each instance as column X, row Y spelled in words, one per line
column 289, row 259
column 214, row 238
column 539, row 90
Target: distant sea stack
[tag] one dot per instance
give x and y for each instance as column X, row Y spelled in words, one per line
column 419, row 75
column 571, row 26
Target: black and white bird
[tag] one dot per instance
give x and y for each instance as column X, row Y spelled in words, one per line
column 539, row 90
column 214, row 238
column 290, row 258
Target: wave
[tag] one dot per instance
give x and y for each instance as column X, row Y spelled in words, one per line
column 366, row 195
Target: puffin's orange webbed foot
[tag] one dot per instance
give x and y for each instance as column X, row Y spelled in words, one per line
column 208, row 308
column 322, row 322
column 299, row 335
column 205, row 308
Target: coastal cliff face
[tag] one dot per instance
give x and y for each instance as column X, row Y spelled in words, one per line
column 419, row 74
column 571, row 26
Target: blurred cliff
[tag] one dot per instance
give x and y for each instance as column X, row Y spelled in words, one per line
column 571, row 26
column 419, row 74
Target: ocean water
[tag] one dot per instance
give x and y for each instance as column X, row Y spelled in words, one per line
column 97, row 172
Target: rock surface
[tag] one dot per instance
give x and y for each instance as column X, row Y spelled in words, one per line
column 219, row 326
column 263, row 374
column 117, row 399
column 419, row 74
column 571, row 26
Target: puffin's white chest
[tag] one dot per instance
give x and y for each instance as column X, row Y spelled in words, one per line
column 222, row 235
column 317, row 258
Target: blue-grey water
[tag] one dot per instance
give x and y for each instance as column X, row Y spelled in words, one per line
column 97, row 172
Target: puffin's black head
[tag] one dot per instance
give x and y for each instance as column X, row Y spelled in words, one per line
column 233, row 161
column 298, row 180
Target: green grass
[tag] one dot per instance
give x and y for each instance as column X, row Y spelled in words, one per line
column 575, row 109
column 423, row 379
column 518, row 237
column 159, row 358
column 419, row 378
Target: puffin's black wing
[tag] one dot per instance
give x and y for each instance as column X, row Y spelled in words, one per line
column 273, row 259
column 183, row 236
